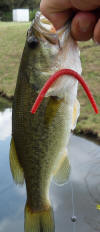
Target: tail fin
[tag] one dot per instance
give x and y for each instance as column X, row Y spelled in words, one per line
column 40, row 221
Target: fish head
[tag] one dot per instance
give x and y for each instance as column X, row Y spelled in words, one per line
column 42, row 32
column 43, row 48
column 53, row 50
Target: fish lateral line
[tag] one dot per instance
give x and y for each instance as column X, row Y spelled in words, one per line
column 53, row 78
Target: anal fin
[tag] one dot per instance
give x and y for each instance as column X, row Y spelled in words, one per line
column 16, row 169
column 62, row 173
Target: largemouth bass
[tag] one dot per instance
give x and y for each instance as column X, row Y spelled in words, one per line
column 38, row 145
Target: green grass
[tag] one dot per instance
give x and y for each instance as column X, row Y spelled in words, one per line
column 12, row 39
column 4, row 103
column 89, row 122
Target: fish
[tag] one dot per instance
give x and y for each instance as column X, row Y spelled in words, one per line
column 38, row 149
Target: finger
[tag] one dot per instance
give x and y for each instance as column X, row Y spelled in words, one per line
column 97, row 32
column 57, row 18
column 86, row 5
column 82, row 26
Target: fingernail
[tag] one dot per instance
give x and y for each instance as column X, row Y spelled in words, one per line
column 84, row 26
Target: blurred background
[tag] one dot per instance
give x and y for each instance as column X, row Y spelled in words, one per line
column 6, row 7
column 12, row 40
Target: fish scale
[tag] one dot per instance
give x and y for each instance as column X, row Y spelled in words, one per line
column 38, row 145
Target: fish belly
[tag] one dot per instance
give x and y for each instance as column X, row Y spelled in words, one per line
column 40, row 141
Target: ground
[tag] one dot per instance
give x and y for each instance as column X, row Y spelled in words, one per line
column 89, row 122
column 12, row 39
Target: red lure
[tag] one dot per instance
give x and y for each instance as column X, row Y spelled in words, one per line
column 53, row 78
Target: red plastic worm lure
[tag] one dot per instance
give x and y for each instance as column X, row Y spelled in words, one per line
column 53, row 78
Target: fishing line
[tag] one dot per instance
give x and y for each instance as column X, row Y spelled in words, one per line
column 73, row 218
column 72, row 198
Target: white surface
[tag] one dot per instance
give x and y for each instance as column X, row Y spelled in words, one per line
column 21, row 15
column 5, row 124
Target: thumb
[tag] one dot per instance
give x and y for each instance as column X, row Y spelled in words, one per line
column 82, row 26
column 57, row 18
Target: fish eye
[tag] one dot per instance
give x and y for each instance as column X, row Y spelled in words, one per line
column 32, row 41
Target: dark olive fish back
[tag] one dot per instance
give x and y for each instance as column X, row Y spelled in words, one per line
column 38, row 141
column 38, row 138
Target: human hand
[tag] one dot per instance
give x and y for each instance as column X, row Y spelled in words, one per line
column 86, row 16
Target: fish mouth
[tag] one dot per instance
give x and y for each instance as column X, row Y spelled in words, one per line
column 46, row 29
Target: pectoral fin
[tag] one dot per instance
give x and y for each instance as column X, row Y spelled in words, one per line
column 76, row 113
column 62, row 172
column 16, row 169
